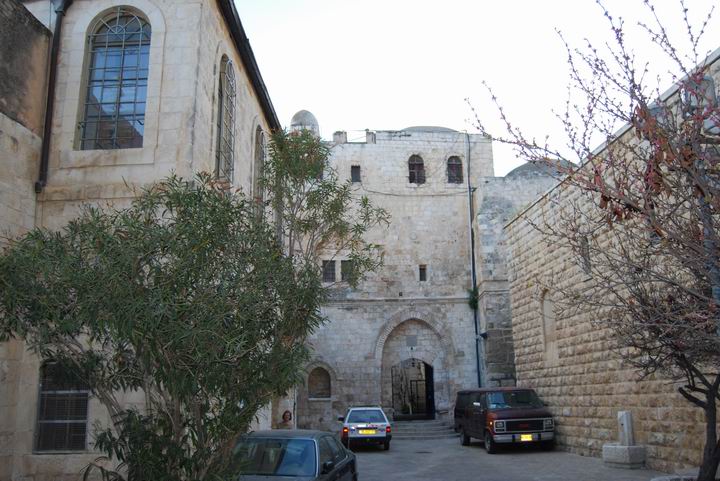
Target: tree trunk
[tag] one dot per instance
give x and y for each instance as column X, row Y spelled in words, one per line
column 711, row 454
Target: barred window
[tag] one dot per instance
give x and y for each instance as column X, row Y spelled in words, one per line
column 416, row 170
column 454, row 170
column 328, row 271
column 62, row 414
column 119, row 57
column 224, row 154
column 319, row 384
column 258, row 165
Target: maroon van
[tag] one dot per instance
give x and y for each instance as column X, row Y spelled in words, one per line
column 503, row 415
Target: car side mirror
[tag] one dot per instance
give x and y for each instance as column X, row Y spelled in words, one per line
column 341, row 419
column 327, row 467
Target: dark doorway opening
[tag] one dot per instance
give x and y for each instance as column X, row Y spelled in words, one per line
column 413, row 390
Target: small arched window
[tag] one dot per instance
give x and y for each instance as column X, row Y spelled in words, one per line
column 259, row 163
column 319, row 384
column 549, row 328
column 225, row 149
column 416, row 170
column 454, row 170
column 118, row 67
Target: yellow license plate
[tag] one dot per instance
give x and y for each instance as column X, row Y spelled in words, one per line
column 367, row 431
column 526, row 437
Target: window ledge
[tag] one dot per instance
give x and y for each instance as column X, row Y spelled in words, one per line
column 70, row 159
column 320, row 399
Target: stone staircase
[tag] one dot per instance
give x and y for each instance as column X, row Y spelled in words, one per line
column 422, row 430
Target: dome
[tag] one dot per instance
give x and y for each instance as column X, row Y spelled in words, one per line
column 304, row 120
column 539, row 168
column 428, row 128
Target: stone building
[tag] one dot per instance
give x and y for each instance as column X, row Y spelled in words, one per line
column 141, row 88
column 406, row 338
column 568, row 359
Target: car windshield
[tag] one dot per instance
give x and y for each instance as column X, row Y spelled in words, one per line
column 513, row 399
column 366, row 416
column 274, row 457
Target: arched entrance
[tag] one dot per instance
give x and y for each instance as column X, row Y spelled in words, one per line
column 414, row 371
column 413, row 390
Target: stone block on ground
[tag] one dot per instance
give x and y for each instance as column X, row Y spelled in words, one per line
column 619, row 456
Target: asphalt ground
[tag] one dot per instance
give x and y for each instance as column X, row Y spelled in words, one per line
column 447, row 460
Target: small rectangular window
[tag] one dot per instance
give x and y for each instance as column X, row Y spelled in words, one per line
column 355, row 173
column 62, row 414
column 328, row 268
column 585, row 255
column 346, row 270
column 422, row 270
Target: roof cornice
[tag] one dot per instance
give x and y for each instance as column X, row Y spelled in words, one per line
column 227, row 8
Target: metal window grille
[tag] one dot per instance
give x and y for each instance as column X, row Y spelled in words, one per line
column 347, row 269
column 422, row 272
column 259, row 165
column 416, row 170
column 114, row 115
column 585, row 255
column 62, row 413
column 328, row 268
column 454, row 170
column 355, row 173
column 224, row 155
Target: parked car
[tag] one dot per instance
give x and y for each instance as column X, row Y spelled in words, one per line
column 503, row 415
column 301, row 455
column 366, row 425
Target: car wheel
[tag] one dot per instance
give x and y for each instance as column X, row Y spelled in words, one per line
column 386, row 445
column 464, row 438
column 547, row 445
column 490, row 446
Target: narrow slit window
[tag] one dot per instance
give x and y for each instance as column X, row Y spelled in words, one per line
column 355, row 174
column 422, row 273
column 328, row 271
column 117, row 79
column 454, row 170
column 259, row 164
column 63, row 411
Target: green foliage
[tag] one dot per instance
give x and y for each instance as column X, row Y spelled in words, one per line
column 186, row 297
column 315, row 213
column 473, row 298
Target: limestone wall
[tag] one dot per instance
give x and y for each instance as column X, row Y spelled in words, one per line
column 572, row 368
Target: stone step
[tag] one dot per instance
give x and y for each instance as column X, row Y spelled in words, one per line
column 432, row 422
column 425, row 436
column 421, row 429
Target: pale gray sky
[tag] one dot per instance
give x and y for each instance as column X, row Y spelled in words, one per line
column 391, row 64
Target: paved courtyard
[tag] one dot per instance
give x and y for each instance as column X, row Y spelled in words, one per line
column 447, row 460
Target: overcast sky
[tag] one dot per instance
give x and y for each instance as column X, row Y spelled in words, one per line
column 391, row 64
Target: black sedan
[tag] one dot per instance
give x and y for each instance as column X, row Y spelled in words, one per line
column 300, row 455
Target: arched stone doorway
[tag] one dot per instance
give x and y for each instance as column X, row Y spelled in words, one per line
column 414, row 371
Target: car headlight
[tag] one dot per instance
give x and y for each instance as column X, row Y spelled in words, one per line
column 499, row 426
column 548, row 424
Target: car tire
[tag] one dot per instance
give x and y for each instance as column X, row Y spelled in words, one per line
column 386, row 446
column 547, row 445
column 490, row 445
column 464, row 438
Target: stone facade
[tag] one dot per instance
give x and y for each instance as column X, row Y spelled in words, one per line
column 189, row 38
column 568, row 359
column 394, row 321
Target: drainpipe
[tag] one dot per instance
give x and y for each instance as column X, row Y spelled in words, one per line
column 473, row 272
column 60, row 11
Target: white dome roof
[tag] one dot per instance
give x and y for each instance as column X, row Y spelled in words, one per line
column 305, row 120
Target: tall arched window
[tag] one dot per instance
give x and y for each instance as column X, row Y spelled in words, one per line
column 225, row 150
column 454, row 170
column 416, row 170
column 549, row 328
column 319, row 384
column 118, row 60
column 259, row 163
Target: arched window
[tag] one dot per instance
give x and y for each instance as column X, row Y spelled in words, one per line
column 454, row 170
column 224, row 153
column 319, row 384
column 416, row 170
column 258, row 165
column 549, row 328
column 118, row 60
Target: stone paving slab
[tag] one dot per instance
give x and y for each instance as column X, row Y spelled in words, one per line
column 447, row 460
